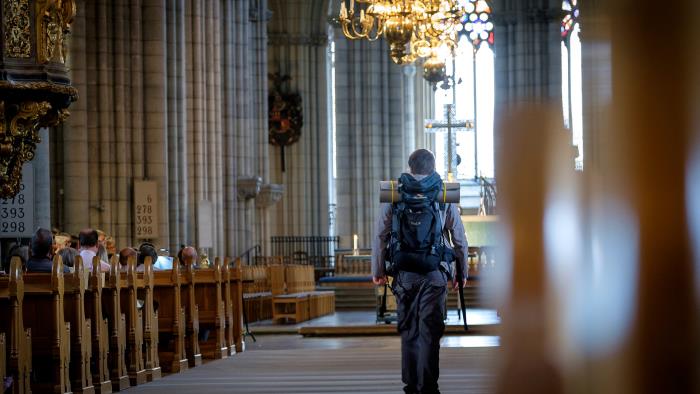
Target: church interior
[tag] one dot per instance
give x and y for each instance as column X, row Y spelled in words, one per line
column 207, row 175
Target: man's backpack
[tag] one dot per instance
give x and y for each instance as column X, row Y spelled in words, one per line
column 416, row 240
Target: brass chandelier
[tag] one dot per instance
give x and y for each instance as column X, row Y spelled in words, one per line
column 415, row 29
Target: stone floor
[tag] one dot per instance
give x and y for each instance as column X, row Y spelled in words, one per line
column 350, row 319
column 293, row 364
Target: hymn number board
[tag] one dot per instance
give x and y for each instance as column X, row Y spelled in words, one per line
column 17, row 213
column 146, row 209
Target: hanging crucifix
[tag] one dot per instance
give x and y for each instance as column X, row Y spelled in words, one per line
column 449, row 124
column 285, row 115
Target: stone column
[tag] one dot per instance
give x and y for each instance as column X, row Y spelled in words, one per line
column 370, row 131
column 528, row 55
column 154, row 85
column 298, row 38
column 76, row 190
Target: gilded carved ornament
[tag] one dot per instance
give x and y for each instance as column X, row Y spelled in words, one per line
column 19, row 134
column 17, row 28
column 53, row 23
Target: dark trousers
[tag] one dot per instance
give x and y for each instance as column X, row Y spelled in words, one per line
column 421, row 323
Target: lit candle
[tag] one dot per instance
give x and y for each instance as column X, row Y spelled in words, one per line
column 355, row 238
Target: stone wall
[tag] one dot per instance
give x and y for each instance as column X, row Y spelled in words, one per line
column 171, row 91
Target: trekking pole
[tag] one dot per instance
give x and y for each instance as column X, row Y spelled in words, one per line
column 460, row 287
column 382, row 309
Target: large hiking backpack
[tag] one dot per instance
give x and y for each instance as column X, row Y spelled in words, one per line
column 416, row 241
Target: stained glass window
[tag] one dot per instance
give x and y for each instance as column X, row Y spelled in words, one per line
column 473, row 95
column 572, row 99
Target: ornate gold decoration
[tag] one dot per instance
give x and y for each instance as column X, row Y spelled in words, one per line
column 414, row 29
column 64, row 90
column 18, row 141
column 17, row 33
column 53, row 23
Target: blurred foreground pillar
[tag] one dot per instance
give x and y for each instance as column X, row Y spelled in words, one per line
column 652, row 111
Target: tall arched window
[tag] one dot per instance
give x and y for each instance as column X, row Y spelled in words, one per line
column 571, row 76
column 473, row 96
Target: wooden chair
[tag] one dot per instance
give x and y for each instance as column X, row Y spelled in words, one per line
column 111, row 302
column 171, row 319
column 43, row 312
column 75, row 285
column 134, row 323
column 187, row 296
column 99, row 329
column 150, row 323
column 210, row 302
column 17, row 358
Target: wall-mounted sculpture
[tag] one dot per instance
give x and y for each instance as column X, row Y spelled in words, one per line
column 285, row 119
column 35, row 91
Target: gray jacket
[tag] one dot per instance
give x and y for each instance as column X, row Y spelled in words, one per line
column 452, row 228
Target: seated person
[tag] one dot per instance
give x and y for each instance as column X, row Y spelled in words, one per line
column 89, row 249
column 111, row 246
column 146, row 249
column 41, row 247
column 60, row 241
column 188, row 255
column 20, row 251
column 124, row 256
column 68, row 256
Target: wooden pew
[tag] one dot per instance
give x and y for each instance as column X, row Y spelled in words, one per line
column 171, row 319
column 17, row 358
column 43, row 312
column 210, row 303
column 111, row 303
column 257, row 297
column 295, row 297
column 150, row 323
column 187, row 296
column 81, row 345
column 134, row 323
column 99, row 329
column 233, row 299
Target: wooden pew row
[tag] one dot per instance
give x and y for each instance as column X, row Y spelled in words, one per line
column 233, row 298
column 99, row 328
column 257, row 294
column 75, row 287
column 43, row 312
column 129, row 303
column 210, row 302
column 104, row 330
column 187, row 296
column 17, row 357
column 150, row 323
column 112, row 292
column 167, row 288
column 300, row 301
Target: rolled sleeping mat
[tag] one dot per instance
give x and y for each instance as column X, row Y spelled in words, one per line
column 388, row 192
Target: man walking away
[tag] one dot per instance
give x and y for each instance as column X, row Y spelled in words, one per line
column 418, row 238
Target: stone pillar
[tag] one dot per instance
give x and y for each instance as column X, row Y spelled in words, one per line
column 166, row 95
column 651, row 136
column 75, row 191
column 298, row 38
column 154, row 109
column 42, row 181
column 528, row 55
column 370, row 131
